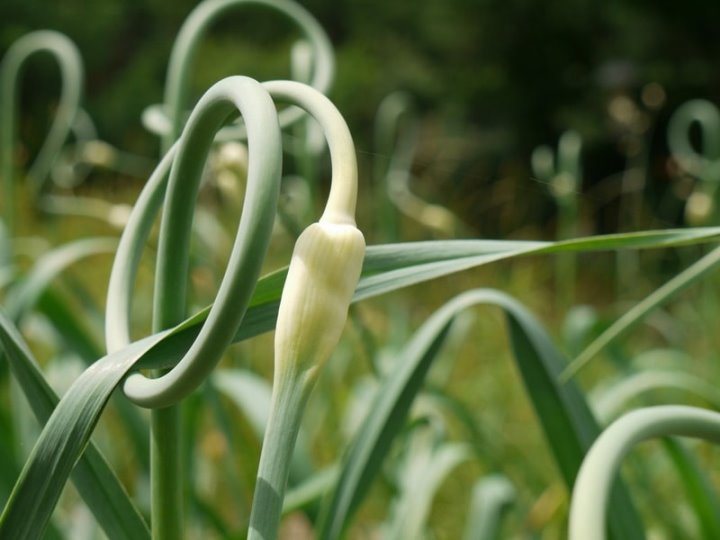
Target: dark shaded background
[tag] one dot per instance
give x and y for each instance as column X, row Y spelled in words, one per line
column 492, row 79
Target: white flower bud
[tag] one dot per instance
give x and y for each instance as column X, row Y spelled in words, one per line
column 324, row 271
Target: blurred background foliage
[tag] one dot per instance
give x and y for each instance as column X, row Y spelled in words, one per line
column 492, row 80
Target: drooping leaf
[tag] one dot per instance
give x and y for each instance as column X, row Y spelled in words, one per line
column 65, row 437
column 562, row 410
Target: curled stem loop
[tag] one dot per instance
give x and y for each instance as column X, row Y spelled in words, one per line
column 186, row 160
column 167, row 121
column 71, row 72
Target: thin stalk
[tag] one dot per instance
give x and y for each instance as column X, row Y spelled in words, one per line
column 563, row 175
column 290, row 393
column 167, row 500
column 186, row 161
column 323, row 274
column 166, row 478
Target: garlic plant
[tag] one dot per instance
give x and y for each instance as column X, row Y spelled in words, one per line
column 703, row 165
column 167, row 120
column 307, row 306
column 71, row 72
column 323, row 274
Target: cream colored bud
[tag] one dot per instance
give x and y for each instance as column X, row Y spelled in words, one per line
column 324, row 271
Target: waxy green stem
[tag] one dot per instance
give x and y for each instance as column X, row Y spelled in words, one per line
column 71, row 72
column 186, row 160
column 596, row 476
column 340, row 207
column 321, row 279
column 172, row 272
column 290, row 393
column 188, row 41
column 251, row 242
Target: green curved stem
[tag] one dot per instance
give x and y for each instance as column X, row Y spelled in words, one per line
column 71, row 72
column 340, row 207
column 704, row 164
column 589, row 503
column 297, row 360
column 250, row 245
column 188, row 40
column 174, row 240
column 186, row 161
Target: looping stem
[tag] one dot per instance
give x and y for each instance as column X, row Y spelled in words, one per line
column 71, row 73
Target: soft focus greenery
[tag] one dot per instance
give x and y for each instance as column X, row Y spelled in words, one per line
column 430, row 417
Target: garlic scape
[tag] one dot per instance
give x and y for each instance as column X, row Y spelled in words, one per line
column 67, row 56
column 167, row 120
column 324, row 271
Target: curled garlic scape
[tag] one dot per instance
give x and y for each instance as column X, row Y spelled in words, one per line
column 324, row 271
column 327, row 259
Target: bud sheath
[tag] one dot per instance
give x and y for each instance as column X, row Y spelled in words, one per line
column 324, row 271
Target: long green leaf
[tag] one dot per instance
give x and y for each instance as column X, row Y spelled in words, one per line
column 390, row 267
column 62, row 441
column 33, row 289
column 562, row 410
